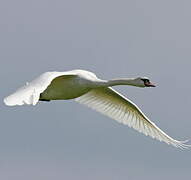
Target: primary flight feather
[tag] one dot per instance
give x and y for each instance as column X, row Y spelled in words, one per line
column 87, row 89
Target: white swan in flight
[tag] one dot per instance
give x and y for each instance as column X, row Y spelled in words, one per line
column 87, row 89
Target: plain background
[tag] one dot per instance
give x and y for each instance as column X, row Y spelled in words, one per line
column 123, row 38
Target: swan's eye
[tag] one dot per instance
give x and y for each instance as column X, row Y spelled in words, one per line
column 147, row 81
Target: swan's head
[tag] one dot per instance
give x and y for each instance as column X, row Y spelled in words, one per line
column 144, row 82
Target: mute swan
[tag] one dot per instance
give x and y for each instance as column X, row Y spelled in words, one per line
column 87, row 89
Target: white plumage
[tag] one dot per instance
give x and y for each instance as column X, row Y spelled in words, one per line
column 30, row 93
column 87, row 89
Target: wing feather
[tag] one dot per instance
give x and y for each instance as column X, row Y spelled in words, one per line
column 30, row 93
column 111, row 103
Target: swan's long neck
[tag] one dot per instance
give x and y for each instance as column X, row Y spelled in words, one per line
column 122, row 81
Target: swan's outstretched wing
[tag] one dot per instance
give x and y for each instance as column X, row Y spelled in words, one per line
column 30, row 93
column 116, row 106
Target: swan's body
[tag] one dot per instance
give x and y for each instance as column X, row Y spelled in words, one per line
column 70, row 86
column 86, row 88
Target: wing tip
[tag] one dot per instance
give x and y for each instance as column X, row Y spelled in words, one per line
column 7, row 102
column 181, row 144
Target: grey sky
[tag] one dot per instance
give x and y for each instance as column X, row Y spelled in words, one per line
column 64, row 140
